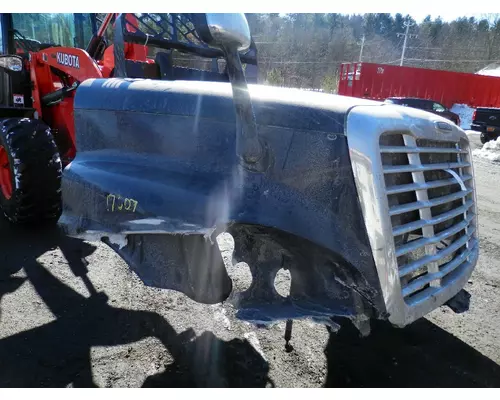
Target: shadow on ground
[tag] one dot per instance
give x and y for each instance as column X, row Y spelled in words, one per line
column 420, row 355
column 58, row 354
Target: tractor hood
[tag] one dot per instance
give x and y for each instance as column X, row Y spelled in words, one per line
column 156, row 174
column 281, row 107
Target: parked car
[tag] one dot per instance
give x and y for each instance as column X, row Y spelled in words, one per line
column 487, row 121
column 426, row 105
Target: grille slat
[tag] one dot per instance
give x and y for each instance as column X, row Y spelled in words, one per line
column 429, row 189
column 422, row 186
column 416, row 265
column 419, row 283
column 416, row 244
column 395, row 210
column 399, row 169
column 412, row 226
column 410, row 149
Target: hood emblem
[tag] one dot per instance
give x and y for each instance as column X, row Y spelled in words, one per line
column 443, row 126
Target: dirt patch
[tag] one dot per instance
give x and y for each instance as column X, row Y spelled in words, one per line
column 65, row 321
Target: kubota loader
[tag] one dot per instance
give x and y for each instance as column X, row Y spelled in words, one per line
column 370, row 207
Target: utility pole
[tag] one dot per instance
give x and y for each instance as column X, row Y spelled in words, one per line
column 407, row 24
column 362, row 45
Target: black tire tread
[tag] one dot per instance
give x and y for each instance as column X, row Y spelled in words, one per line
column 37, row 197
column 484, row 139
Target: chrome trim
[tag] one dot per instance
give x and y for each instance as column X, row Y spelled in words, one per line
column 420, row 168
column 364, row 126
column 432, row 221
column 445, row 126
column 407, row 149
column 421, row 186
column 427, row 203
column 229, row 29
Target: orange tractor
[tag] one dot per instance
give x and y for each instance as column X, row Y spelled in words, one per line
column 38, row 88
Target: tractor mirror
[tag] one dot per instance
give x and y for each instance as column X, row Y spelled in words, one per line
column 224, row 30
column 13, row 63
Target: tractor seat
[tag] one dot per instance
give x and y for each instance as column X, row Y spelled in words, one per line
column 161, row 68
column 169, row 72
column 141, row 69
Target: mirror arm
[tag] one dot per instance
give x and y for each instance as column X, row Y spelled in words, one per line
column 248, row 147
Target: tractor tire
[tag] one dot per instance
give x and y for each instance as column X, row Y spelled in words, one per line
column 30, row 172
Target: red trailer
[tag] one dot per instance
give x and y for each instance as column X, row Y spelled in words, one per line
column 379, row 81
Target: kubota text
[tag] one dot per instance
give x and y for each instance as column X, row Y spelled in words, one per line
column 68, row 60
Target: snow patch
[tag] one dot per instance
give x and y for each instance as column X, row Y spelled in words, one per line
column 96, row 236
column 489, row 151
column 90, row 236
column 221, row 316
column 119, row 240
column 491, row 70
column 148, row 221
column 465, row 113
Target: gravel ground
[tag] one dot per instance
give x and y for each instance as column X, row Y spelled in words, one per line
column 65, row 322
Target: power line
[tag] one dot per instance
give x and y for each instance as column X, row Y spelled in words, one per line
column 424, row 48
column 440, row 49
column 307, row 62
column 274, row 62
column 350, row 61
column 464, row 61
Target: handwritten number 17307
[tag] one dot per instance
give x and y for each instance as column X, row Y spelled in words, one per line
column 115, row 203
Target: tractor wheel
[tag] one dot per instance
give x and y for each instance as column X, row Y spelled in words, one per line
column 30, row 172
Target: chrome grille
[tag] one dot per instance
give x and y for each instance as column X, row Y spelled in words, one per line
column 429, row 188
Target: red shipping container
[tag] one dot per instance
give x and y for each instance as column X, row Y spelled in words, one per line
column 379, row 81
